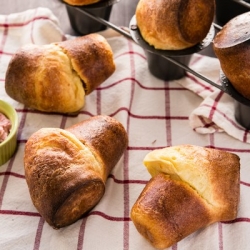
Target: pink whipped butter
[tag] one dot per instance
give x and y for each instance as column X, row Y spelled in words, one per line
column 5, row 126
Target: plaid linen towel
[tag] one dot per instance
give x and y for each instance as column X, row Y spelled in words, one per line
column 155, row 114
column 37, row 26
column 216, row 113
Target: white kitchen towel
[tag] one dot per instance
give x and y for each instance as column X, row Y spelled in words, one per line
column 216, row 113
column 38, row 26
column 155, row 114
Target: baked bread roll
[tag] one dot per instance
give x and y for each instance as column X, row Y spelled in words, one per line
column 191, row 188
column 56, row 77
column 231, row 46
column 105, row 137
column 176, row 24
column 66, row 175
column 81, row 2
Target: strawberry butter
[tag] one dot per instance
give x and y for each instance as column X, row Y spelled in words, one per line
column 5, row 126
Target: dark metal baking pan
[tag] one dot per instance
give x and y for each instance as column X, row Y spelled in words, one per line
column 242, row 112
column 161, row 67
column 83, row 24
column 228, row 9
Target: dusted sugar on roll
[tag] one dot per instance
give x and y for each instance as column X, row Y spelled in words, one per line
column 66, row 169
column 191, row 187
column 175, row 24
column 56, row 77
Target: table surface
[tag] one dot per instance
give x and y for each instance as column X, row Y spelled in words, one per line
column 151, row 111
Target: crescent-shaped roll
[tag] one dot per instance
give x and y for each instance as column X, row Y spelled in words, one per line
column 66, row 175
column 56, row 77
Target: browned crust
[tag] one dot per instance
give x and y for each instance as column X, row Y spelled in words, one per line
column 216, row 172
column 231, row 46
column 191, row 188
column 106, row 137
column 168, row 210
column 195, row 19
column 223, row 169
column 24, row 62
column 56, row 77
column 174, row 25
column 63, row 177
column 92, row 58
column 41, row 77
column 66, row 170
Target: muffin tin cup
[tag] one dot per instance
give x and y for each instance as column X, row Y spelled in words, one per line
column 242, row 104
column 161, row 67
column 225, row 11
column 83, row 24
column 242, row 114
column 165, row 70
column 228, row 9
column 164, row 64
